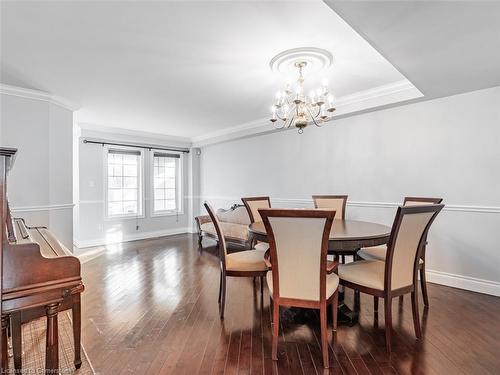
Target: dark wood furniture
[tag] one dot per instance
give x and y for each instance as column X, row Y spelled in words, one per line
column 411, row 201
column 398, row 274
column 334, row 202
column 248, row 263
column 346, row 238
column 380, row 253
column 302, row 235
column 38, row 279
column 252, row 204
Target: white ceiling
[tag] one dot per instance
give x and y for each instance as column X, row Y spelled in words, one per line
column 442, row 47
column 177, row 68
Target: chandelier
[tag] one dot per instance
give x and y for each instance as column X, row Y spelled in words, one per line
column 293, row 107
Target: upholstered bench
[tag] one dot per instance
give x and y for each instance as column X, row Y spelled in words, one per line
column 234, row 222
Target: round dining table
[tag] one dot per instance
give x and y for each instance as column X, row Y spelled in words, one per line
column 346, row 238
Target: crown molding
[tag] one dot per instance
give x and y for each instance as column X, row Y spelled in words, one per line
column 394, row 92
column 114, row 131
column 38, row 95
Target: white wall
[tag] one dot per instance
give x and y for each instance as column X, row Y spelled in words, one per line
column 93, row 228
column 449, row 147
column 40, row 184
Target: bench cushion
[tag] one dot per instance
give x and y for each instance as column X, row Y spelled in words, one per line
column 230, row 230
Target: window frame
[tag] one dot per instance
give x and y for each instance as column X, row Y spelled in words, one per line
column 179, row 187
column 140, row 193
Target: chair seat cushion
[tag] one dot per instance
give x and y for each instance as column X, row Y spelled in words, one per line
column 332, row 283
column 249, row 260
column 230, row 230
column 369, row 273
column 376, row 253
column 262, row 246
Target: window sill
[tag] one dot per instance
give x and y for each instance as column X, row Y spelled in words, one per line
column 167, row 213
column 124, row 217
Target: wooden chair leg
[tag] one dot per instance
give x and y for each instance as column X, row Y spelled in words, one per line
column 276, row 325
column 416, row 317
column 4, row 362
column 271, row 308
column 324, row 335
column 262, row 285
column 375, row 303
column 77, row 328
column 423, row 283
column 52, row 341
column 222, row 303
column 220, row 287
column 388, row 322
column 335, row 308
column 17, row 347
column 401, row 299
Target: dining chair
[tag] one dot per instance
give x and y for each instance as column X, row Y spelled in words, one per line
column 299, row 274
column 333, row 202
column 252, row 205
column 378, row 253
column 247, row 263
column 397, row 275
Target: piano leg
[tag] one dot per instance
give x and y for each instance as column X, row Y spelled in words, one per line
column 52, row 343
column 4, row 362
column 17, row 348
column 77, row 328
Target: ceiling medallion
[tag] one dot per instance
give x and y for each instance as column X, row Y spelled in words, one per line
column 292, row 107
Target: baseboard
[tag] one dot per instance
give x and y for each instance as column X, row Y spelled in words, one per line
column 81, row 244
column 464, row 282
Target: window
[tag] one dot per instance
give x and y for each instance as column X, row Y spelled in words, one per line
column 124, row 186
column 166, row 183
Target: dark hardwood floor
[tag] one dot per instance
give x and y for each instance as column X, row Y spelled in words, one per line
column 150, row 307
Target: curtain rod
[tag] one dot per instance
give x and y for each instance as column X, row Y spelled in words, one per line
column 149, row 147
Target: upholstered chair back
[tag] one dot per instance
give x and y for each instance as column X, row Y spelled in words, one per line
column 253, row 204
column 331, row 202
column 220, row 234
column 298, row 242
column 409, row 230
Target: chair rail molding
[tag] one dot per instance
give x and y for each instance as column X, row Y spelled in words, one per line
column 38, row 95
column 51, row 207
column 305, row 202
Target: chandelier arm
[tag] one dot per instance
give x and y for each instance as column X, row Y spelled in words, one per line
column 313, row 119
column 319, row 111
column 291, row 121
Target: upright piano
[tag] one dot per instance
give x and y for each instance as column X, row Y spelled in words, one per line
column 39, row 277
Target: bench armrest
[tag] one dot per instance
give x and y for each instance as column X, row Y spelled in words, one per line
column 200, row 220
